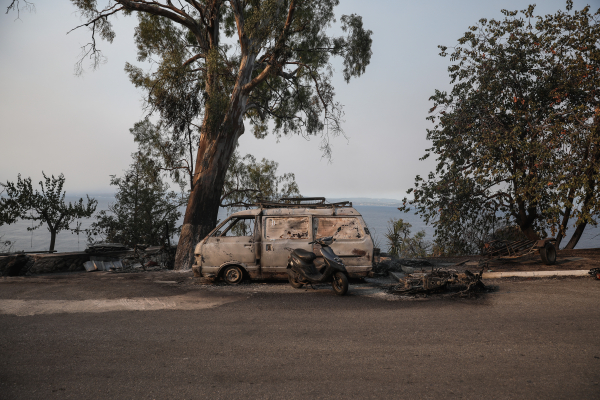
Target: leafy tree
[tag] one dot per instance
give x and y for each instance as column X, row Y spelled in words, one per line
column 14, row 200
column 249, row 181
column 517, row 136
column 575, row 54
column 144, row 212
column 218, row 63
column 402, row 244
column 48, row 206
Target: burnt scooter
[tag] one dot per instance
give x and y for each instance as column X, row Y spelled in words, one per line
column 302, row 269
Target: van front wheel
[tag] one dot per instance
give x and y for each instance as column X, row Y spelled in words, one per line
column 340, row 283
column 233, row 275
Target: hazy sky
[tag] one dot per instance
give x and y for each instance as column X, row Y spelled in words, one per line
column 53, row 121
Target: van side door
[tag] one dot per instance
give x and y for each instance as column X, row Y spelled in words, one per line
column 281, row 235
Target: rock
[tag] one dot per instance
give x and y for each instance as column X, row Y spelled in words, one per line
column 15, row 265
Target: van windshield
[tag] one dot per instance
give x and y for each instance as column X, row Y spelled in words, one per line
column 242, row 226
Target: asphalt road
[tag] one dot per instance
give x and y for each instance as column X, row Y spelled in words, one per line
column 162, row 336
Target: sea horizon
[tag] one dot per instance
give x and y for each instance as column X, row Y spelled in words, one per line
column 376, row 212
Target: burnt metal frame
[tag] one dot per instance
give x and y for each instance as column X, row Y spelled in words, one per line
column 516, row 249
column 302, row 202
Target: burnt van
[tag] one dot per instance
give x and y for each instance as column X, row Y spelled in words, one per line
column 256, row 243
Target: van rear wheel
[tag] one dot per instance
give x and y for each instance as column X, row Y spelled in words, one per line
column 233, row 275
column 340, row 283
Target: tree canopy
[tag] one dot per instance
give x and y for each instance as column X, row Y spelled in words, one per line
column 219, row 63
column 518, row 136
column 249, row 181
column 46, row 207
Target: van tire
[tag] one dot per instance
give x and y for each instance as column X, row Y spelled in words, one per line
column 340, row 283
column 233, row 275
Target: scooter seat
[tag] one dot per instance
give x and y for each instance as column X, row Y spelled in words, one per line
column 305, row 255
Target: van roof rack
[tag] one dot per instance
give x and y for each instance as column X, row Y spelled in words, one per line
column 301, row 202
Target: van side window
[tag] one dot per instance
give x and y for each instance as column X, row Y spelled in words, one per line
column 286, row 228
column 339, row 227
column 238, row 227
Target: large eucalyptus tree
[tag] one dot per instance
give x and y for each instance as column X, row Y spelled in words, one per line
column 220, row 62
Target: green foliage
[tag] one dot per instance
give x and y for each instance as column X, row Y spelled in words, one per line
column 46, row 207
column 518, row 134
column 167, row 149
column 402, row 244
column 144, row 212
column 195, row 73
column 249, row 180
column 14, row 200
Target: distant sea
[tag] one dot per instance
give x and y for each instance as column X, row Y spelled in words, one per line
column 376, row 212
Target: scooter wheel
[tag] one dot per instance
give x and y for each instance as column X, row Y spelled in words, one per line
column 294, row 281
column 340, row 283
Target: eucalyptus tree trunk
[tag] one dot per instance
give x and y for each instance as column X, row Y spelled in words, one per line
column 205, row 198
column 217, row 144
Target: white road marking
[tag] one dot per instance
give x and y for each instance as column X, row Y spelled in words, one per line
column 35, row 307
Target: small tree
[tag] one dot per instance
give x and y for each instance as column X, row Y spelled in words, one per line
column 47, row 207
column 144, row 211
column 402, row 244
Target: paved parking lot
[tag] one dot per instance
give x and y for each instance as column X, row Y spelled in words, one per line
column 164, row 335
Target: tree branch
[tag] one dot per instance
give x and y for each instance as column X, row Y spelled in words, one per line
column 277, row 48
column 194, row 58
column 99, row 17
column 223, row 197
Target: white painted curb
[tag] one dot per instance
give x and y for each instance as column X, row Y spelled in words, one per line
column 577, row 272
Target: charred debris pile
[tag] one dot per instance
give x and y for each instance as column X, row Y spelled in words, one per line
column 103, row 257
column 421, row 277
